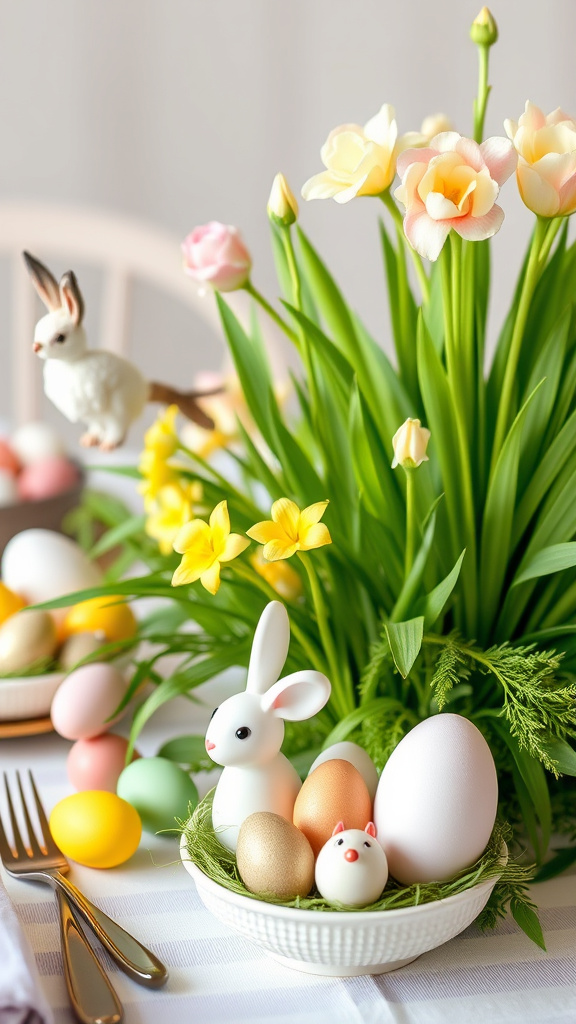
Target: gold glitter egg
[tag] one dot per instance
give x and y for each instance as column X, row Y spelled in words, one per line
column 274, row 858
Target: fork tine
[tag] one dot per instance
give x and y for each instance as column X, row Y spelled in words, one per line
column 32, row 840
column 21, row 850
column 49, row 843
column 6, row 851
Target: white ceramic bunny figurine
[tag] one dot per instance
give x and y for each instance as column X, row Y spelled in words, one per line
column 95, row 387
column 246, row 732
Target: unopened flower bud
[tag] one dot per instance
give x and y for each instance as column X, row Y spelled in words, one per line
column 410, row 442
column 484, row 30
column 282, row 205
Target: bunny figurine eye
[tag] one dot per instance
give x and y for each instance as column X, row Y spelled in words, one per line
column 243, row 733
column 368, row 845
column 213, row 713
column 59, row 338
column 338, row 842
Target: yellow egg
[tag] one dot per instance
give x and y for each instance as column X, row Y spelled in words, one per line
column 96, row 828
column 9, row 603
column 101, row 615
column 273, row 857
column 335, row 791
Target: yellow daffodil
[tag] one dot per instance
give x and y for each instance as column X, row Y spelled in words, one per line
column 170, row 511
column 161, row 437
column 291, row 530
column 156, row 473
column 204, row 546
column 279, row 575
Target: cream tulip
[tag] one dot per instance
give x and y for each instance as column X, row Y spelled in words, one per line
column 546, row 170
column 282, row 206
column 359, row 161
column 410, row 443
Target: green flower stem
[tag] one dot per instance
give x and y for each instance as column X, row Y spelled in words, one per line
column 451, row 301
column 255, row 580
column 251, row 510
column 263, row 302
column 341, row 700
column 411, row 525
column 415, row 257
column 481, row 100
column 531, row 277
column 304, row 343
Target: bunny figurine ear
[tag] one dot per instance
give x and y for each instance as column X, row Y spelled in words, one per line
column 71, row 297
column 269, row 648
column 44, row 282
column 297, row 696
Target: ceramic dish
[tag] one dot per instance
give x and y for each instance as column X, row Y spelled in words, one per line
column 338, row 943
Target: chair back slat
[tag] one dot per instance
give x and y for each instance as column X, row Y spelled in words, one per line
column 116, row 310
column 26, row 374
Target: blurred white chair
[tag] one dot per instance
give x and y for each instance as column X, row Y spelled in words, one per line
column 123, row 248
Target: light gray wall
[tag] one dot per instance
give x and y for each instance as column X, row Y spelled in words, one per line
column 182, row 111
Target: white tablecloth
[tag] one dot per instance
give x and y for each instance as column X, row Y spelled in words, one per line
column 217, row 977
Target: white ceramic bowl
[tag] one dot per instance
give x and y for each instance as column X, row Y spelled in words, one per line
column 28, row 696
column 338, row 943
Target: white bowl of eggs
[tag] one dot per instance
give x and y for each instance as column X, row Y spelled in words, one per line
column 41, row 565
column 434, row 810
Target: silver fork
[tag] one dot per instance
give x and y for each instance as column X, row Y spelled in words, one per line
column 49, row 865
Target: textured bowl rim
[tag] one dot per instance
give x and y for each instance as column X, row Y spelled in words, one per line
column 362, row 916
column 32, row 680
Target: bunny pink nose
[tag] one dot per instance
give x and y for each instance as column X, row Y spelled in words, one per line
column 36, row 346
column 210, row 746
column 351, row 855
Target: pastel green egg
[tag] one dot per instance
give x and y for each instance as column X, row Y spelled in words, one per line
column 159, row 790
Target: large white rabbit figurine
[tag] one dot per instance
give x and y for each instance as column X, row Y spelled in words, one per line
column 246, row 732
column 95, row 387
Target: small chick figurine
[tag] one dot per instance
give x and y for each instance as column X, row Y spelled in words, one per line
column 96, row 387
column 351, row 867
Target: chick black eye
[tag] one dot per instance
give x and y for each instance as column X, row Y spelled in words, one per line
column 243, row 732
column 60, row 338
column 213, row 713
column 368, row 844
column 339, row 842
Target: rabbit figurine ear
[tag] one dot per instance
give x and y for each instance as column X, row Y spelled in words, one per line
column 44, row 282
column 297, row 696
column 71, row 297
column 269, row 648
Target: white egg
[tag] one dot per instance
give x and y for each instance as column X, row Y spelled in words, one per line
column 35, row 441
column 42, row 565
column 436, row 801
column 348, row 751
column 8, row 489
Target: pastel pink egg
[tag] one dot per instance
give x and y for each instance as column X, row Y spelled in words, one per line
column 98, row 762
column 8, row 459
column 86, row 700
column 46, row 478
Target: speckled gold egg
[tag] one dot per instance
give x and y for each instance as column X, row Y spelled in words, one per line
column 274, row 858
column 26, row 638
column 77, row 647
column 335, row 791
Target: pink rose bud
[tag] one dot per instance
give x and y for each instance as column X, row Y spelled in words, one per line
column 215, row 255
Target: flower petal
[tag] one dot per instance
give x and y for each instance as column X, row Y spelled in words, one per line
column 414, row 156
column 425, row 235
column 500, row 158
column 315, row 537
column 382, row 127
column 287, row 514
column 210, row 579
column 321, row 186
column 192, row 534
column 568, row 196
column 235, row 544
column 538, row 195
column 476, row 229
column 440, row 208
column 276, row 549
column 187, row 573
column 265, row 531
column 220, row 522
column 313, row 514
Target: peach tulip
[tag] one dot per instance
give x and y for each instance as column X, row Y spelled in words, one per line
column 215, row 255
column 453, row 184
column 546, row 171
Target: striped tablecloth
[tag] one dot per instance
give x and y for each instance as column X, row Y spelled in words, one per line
column 217, row 977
